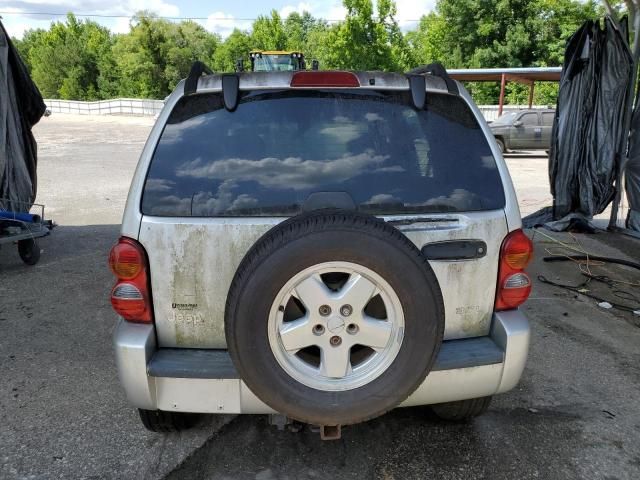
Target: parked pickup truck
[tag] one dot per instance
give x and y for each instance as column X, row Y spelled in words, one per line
column 526, row 129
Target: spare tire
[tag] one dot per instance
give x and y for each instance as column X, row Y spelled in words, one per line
column 334, row 318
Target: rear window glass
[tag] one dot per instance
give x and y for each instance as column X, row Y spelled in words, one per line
column 279, row 147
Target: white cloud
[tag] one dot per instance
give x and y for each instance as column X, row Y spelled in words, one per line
column 219, row 21
column 17, row 24
column 300, row 8
column 410, row 10
column 223, row 23
column 121, row 25
column 286, row 173
column 333, row 10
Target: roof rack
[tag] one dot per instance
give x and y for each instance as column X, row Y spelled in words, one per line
column 437, row 70
column 197, row 69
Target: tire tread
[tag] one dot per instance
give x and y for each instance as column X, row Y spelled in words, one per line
column 462, row 410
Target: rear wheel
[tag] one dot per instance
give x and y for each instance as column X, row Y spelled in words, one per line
column 462, row 410
column 29, row 251
column 160, row 421
column 501, row 145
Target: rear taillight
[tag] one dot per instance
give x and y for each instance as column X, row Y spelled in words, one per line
column 324, row 79
column 514, row 285
column 130, row 297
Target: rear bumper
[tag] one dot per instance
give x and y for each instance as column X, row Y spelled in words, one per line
column 186, row 380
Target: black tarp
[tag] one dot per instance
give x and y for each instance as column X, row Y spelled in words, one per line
column 21, row 107
column 632, row 174
column 586, row 140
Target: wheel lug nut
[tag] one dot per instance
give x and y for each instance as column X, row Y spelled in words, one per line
column 318, row 329
column 346, row 310
column 325, row 310
column 335, row 340
column 352, row 328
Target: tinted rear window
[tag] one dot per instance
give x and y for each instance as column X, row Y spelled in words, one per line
column 278, row 148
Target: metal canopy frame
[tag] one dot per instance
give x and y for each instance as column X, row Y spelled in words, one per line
column 525, row 76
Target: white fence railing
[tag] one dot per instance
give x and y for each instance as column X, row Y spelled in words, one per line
column 118, row 106
column 133, row 106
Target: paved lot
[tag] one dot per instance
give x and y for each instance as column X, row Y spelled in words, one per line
column 63, row 415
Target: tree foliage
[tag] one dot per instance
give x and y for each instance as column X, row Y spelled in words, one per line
column 79, row 59
column 66, row 61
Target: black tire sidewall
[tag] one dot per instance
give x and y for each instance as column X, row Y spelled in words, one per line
column 409, row 276
column 29, row 251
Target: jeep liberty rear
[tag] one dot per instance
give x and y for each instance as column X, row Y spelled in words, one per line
column 321, row 245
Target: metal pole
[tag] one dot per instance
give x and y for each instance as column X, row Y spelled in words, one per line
column 628, row 114
column 503, row 84
column 631, row 11
column 610, row 10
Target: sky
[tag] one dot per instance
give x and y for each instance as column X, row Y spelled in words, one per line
column 218, row 17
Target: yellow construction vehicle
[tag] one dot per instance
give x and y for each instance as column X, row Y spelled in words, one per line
column 276, row 61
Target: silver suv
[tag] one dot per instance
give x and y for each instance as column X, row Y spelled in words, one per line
column 325, row 246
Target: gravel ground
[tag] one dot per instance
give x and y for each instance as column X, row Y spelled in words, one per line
column 63, row 414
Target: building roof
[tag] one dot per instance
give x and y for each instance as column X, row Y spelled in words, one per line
column 523, row 75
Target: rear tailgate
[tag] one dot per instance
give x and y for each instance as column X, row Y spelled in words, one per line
column 191, row 274
column 217, row 180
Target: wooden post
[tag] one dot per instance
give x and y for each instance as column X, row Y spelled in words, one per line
column 503, row 84
column 531, row 88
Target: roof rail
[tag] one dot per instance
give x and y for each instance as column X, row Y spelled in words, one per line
column 437, row 70
column 197, row 69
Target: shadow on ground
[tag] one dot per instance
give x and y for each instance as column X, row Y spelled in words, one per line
column 407, row 443
column 62, row 411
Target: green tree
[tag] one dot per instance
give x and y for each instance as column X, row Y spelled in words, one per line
column 269, row 33
column 156, row 54
column 365, row 41
column 500, row 33
column 237, row 46
column 82, row 60
column 65, row 59
column 560, row 20
column 428, row 39
column 189, row 42
column 28, row 41
column 299, row 28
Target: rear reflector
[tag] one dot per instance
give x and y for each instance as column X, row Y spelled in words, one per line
column 514, row 285
column 131, row 295
column 324, row 79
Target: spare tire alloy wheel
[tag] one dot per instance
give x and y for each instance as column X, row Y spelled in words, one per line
column 333, row 342
column 334, row 318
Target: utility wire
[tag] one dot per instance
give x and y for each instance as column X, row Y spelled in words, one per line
column 100, row 15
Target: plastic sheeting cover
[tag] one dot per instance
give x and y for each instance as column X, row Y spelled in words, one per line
column 632, row 174
column 585, row 149
column 21, row 107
